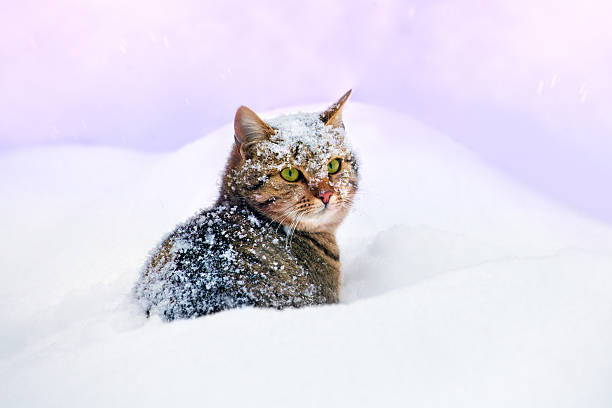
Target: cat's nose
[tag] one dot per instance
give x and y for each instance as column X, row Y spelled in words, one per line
column 325, row 196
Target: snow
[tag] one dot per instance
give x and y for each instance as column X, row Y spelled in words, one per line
column 308, row 142
column 461, row 288
column 307, row 130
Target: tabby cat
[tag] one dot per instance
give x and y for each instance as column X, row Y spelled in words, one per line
column 269, row 241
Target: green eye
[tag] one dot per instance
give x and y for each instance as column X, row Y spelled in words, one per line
column 290, row 174
column 333, row 166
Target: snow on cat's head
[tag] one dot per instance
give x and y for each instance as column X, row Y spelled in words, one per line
column 295, row 169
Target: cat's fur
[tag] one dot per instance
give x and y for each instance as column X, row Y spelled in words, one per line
column 267, row 242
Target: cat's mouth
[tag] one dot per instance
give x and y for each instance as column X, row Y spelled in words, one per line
column 321, row 209
column 325, row 217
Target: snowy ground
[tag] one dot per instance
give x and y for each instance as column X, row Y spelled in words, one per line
column 461, row 288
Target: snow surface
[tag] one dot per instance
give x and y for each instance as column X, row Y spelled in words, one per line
column 461, row 288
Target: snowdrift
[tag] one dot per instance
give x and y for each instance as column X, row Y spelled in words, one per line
column 461, row 288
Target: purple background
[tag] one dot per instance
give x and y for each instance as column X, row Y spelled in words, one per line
column 525, row 84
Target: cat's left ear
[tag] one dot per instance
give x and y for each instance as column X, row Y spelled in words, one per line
column 249, row 129
column 333, row 115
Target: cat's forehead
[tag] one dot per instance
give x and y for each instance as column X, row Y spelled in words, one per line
column 301, row 127
column 303, row 140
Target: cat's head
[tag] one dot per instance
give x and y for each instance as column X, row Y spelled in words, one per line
column 295, row 169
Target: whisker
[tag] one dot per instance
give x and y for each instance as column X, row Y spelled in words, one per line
column 289, row 210
column 290, row 213
column 288, row 236
column 298, row 219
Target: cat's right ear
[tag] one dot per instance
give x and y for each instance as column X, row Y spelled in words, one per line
column 249, row 129
column 333, row 115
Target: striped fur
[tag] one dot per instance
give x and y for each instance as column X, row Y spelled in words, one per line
column 267, row 242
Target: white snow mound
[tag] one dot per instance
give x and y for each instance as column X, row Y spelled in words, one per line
column 461, row 288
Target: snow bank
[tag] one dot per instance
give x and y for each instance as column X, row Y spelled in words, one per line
column 461, row 288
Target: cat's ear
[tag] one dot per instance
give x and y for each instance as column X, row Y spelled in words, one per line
column 333, row 115
column 249, row 129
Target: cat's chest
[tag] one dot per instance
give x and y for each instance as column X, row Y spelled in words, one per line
column 317, row 252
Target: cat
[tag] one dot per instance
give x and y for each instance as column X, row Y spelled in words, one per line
column 269, row 240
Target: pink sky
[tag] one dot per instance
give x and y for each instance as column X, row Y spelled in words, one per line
column 525, row 84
